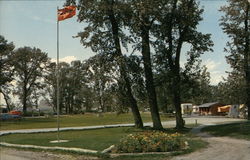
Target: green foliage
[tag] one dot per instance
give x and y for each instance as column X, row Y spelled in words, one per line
column 235, row 23
column 74, row 91
column 232, row 90
column 101, row 78
column 147, row 26
column 6, row 70
column 176, row 27
column 29, row 64
column 150, row 141
column 104, row 35
column 196, row 86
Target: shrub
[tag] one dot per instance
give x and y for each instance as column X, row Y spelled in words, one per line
column 150, row 141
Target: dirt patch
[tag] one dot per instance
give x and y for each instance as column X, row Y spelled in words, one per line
column 14, row 154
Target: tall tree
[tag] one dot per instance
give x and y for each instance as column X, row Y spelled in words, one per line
column 29, row 64
column 6, row 68
column 49, row 91
column 114, row 18
column 177, row 25
column 236, row 24
column 232, row 90
column 104, row 35
column 195, row 85
column 100, row 71
column 142, row 18
column 137, row 78
column 74, row 93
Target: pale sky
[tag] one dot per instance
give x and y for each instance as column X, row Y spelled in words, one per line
column 33, row 23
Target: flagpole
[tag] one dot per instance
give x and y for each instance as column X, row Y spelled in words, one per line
column 71, row 11
column 57, row 77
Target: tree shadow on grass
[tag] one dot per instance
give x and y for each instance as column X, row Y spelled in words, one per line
column 168, row 130
column 240, row 130
column 25, row 121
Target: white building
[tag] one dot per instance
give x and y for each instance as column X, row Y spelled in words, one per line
column 43, row 106
column 187, row 108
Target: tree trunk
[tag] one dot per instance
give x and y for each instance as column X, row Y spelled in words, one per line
column 177, row 98
column 24, row 99
column 88, row 105
column 149, row 79
column 6, row 98
column 101, row 104
column 247, row 59
column 122, row 65
column 67, row 109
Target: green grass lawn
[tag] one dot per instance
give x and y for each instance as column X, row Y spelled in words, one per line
column 98, row 139
column 74, row 120
column 237, row 130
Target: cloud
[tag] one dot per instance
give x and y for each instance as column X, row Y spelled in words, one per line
column 217, row 77
column 216, row 73
column 67, row 59
column 182, row 64
column 36, row 18
column 211, row 65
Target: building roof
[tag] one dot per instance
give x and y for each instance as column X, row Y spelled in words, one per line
column 206, row 105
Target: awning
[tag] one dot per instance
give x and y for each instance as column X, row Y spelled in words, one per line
column 224, row 108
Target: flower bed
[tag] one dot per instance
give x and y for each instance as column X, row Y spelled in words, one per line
column 150, row 141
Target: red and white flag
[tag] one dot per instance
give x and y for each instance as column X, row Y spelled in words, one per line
column 66, row 12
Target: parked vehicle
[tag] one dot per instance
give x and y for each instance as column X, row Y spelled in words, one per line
column 7, row 116
column 15, row 112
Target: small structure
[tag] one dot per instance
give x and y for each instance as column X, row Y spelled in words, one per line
column 237, row 111
column 45, row 107
column 187, row 108
column 3, row 108
column 195, row 109
column 209, row 108
column 234, row 111
column 224, row 110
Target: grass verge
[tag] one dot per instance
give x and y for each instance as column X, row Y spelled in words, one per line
column 75, row 120
column 237, row 130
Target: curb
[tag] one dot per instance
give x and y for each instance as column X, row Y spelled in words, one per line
column 114, row 155
column 49, row 148
column 46, row 130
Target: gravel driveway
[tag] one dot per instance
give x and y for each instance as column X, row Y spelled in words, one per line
column 220, row 148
